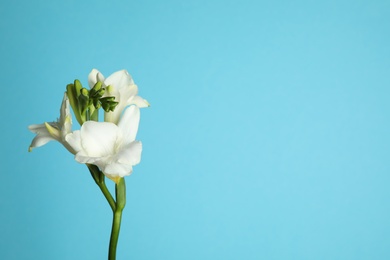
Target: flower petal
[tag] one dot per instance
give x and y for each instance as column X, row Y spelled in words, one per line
column 127, row 93
column 39, row 140
column 128, row 123
column 98, row 139
column 117, row 169
column 74, row 140
column 65, row 123
column 130, row 154
column 119, row 79
column 53, row 131
column 94, row 76
column 139, row 102
column 81, row 157
column 41, row 128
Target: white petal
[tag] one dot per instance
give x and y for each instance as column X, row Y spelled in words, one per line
column 113, row 116
column 53, row 130
column 94, row 76
column 127, row 93
column 138, row 101
column 65, row 123
column 128, row 123
column 64, row 109
column 40, row 140
column 81, row 157
column 98, row 139
column 67, row 127
column 74, row 140
column 41, row 128
column 122, row 96
column 119, row 79
column 117, row 169
column 130, row 154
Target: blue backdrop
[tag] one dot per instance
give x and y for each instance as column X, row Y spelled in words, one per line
column 267, row 135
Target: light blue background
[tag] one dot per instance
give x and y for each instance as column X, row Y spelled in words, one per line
column 267, row 138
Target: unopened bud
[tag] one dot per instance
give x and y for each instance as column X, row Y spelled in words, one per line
column 78, row 86
column 101, row 92
column 113, row 105
column 83, row 100
column 108, row 103
column 96, row 90
column 71, row 92
column 97, row 86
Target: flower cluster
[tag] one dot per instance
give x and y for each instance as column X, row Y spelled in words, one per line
column 109, row 145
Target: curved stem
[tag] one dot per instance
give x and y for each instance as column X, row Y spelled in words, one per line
column 99, row 178
column 120, row 192
column 107, row 194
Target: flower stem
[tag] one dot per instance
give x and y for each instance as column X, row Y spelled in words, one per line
column 120, row 192
column 99, row 178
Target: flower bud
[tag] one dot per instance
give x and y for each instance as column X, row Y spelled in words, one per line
column 96, row 92
column 108, row 103
column 101, row 92
column 78, row 86
column 83, row 101
column 73, row 91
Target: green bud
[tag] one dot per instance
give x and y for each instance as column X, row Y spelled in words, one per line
column 90, row 102
column 95, row 103
column 78, row 86
column 83, row 100
column 113, row 105
column 96, row 90
column 84, row 92
column 97, row 86
column 108, row 103
column 71, row 92
column 101, row 92
column 107, row 99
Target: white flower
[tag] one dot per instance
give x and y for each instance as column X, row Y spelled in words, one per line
column 122, row 87
column 54, row 130
column 109, row 146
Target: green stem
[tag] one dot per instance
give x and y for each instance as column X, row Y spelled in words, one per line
column 120, row 192
column 94, row 115
column 99, row 178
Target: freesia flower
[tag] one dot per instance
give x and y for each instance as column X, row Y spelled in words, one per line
column 111, row 147
column 54, row 130
column 122, row 87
